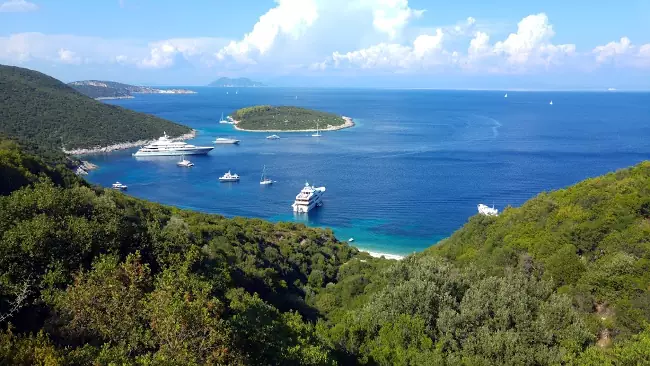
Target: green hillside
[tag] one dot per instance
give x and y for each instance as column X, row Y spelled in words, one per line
column 102, row 89
column 284, row 118
column 39, row 109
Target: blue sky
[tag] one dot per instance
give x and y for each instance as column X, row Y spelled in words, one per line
column 498, row 44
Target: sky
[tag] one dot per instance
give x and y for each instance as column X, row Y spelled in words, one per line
column 464, row 44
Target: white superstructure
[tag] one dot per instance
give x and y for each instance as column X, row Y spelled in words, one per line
column 486, row 210
column 272, row 137
column 229, row 177
column 185, row 163
column 308, row 198
column 225, row 140
column 164, row 146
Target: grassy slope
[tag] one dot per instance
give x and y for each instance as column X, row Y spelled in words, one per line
column 36, row 107
column 284, row 118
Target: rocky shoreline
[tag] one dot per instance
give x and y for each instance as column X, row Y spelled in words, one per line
column 348, row 123
column 85, row 167
column 123, row 145
column 120, row 97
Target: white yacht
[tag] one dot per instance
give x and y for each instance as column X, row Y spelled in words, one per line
column 185, row 163
column 119, row 186
column 224, row 140
column 221, row 120
column 164, row 146
column 317, row 134
column 308, row 198
column 228, row 177
column 264, row 180
column 505, row 96
column 272, row 137
column 551, row 103
column 487, row 211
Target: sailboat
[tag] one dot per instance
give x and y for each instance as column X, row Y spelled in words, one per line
column 223, row 120
column 317, row 134
column 264, row 180
column 505, row 96
column 551, row 103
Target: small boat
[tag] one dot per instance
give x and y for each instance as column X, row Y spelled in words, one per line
column 505, row 96
column 119, row 186
column 228, row 177
column 236, row 91
column 223, row 140
column 272, row 137
column 350, row 240
column 185, row 163
column 264, row 180
column 486, row 210
column 317, row 134
column 551, row 103
column 223, row 120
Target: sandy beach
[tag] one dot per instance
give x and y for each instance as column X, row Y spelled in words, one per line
column 385, row 255
column 124, row 145
column 348, row 123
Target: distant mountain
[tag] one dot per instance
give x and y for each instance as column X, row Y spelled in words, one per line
column 236, row 83
column 109, row 89
column 43, row 111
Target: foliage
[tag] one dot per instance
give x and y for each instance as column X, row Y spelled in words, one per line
column 284, row 118
column 40, row 110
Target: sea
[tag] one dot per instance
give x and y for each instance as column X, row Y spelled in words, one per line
column 408, row 174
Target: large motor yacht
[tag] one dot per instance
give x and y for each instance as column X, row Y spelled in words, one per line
column 164, row 146
column 308, row 198
column 229, row 177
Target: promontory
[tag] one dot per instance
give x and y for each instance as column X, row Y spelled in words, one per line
column 266, row 118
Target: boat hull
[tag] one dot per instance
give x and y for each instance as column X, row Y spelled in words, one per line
column 301, row 208
column 225, row 180
column 179, row 152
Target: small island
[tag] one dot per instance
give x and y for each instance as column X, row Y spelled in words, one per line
column 236, row 83
column 266, row 118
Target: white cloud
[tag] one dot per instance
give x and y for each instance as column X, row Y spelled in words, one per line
column 426, row 50
column 391, row 16
column 164, row 53
column 289, row 17
column 17, row 6
column 531, row 44
column 623, row 53
column 68, row 57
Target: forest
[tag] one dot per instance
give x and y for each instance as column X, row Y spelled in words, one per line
column 284, row 118
column 50, row 115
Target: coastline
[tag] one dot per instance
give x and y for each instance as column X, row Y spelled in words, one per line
column 124, row 145
column 111, row 98
column 385, row 255
column 348, row 123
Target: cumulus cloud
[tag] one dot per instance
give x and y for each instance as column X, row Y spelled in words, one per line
column 289, row 17
column 425, row 50
column 164, row 53
column 17, row 6
column 623, row 53
column 391, row 16
column 69, row 57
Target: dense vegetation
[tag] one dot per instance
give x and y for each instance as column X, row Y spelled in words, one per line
column 235, row 82
column 42, row 111
column 266, row 117
column 89, row 275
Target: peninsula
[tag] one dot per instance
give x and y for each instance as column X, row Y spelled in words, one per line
column 266, row 118
column 99, row 90
column 58, row 118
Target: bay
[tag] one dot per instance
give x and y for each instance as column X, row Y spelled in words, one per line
column 408, row 174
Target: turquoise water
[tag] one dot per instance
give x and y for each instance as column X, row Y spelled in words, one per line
column 408, row 174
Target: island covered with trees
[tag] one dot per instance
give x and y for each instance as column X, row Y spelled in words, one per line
column 50, row 115
column 266, row 118
column 99, row 89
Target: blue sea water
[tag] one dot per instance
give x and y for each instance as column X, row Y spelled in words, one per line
column 408, row 174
